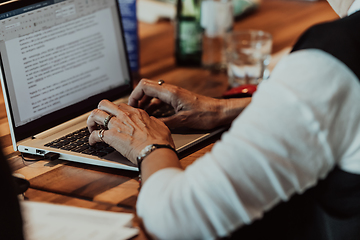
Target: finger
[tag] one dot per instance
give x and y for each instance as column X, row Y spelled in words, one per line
column 154, row 105
column 144, row 102
column 117, row 110
column 95, row 137
column 121, row 126
column 125, row 115
column 108, row 136
column 164, row 92
column 116, row 140
column 137, row 94
column 96, row 118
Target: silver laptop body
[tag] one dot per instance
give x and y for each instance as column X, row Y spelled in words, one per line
column 59, row 58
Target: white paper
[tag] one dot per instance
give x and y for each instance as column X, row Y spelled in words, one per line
column 43, row 221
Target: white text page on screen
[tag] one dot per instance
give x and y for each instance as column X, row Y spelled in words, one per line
column 64, row 64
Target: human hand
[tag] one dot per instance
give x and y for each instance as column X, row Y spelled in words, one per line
column 191, row 110
column 129, row 131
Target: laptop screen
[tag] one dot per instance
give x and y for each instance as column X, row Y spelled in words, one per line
column 59, row 58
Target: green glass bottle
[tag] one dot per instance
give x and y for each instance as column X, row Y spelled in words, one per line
column 188, row 43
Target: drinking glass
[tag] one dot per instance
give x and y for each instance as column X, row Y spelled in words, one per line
column 247, row 56
column 216, row 20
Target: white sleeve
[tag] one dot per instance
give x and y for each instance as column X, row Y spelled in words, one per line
column 292, row 134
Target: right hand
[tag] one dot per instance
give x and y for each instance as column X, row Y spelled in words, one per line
column 191, row 110
column 129, row 131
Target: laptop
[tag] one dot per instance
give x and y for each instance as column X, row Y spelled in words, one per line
column 59, row 59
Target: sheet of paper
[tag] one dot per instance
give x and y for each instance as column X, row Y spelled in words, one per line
column 43, row 221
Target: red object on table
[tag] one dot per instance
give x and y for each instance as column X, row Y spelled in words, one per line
column 246, row 90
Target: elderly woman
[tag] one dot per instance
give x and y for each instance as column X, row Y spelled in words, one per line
column 289, row 166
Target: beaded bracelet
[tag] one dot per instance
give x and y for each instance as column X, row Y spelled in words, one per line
column 146, row 151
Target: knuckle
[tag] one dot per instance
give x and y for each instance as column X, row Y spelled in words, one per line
column 122, row 105
column 143, row 82
column 162, row 124
column 175, row 90
column 94, row 113
column 137, row 112
column 102, row 102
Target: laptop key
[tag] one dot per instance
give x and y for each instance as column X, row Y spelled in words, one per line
column 68, row 147
column 78, row 141
column 99, row 154
column 88, row 151
column 54, row 146
column 108, row 150
column 79, row 149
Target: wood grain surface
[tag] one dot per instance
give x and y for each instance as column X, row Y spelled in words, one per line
column 109, row 189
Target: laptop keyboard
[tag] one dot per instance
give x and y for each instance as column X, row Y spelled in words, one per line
column 78, row 141
column 163, row 111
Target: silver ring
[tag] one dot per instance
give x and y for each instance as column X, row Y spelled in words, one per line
column 160, row 82
column 101, row 134
column 107, row 120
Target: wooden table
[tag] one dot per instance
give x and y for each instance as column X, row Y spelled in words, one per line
column 116, row 190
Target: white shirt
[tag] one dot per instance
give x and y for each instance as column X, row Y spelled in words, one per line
column 355, row 6
column 301, row 123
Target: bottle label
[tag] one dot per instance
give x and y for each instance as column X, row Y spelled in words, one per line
column 216, row 17
column 190, row 37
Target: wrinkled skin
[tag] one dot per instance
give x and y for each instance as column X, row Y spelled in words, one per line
column 191, row 110
column 129, row 131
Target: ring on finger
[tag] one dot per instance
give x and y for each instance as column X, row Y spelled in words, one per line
column 160, row 82
column 101, row 134
column 107, row 120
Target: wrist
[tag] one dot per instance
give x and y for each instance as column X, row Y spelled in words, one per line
column 146, row 151
column 159, row 158
column 231, row 108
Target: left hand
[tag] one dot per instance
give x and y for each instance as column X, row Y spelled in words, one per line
column 191, row 110
column 129, row 131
